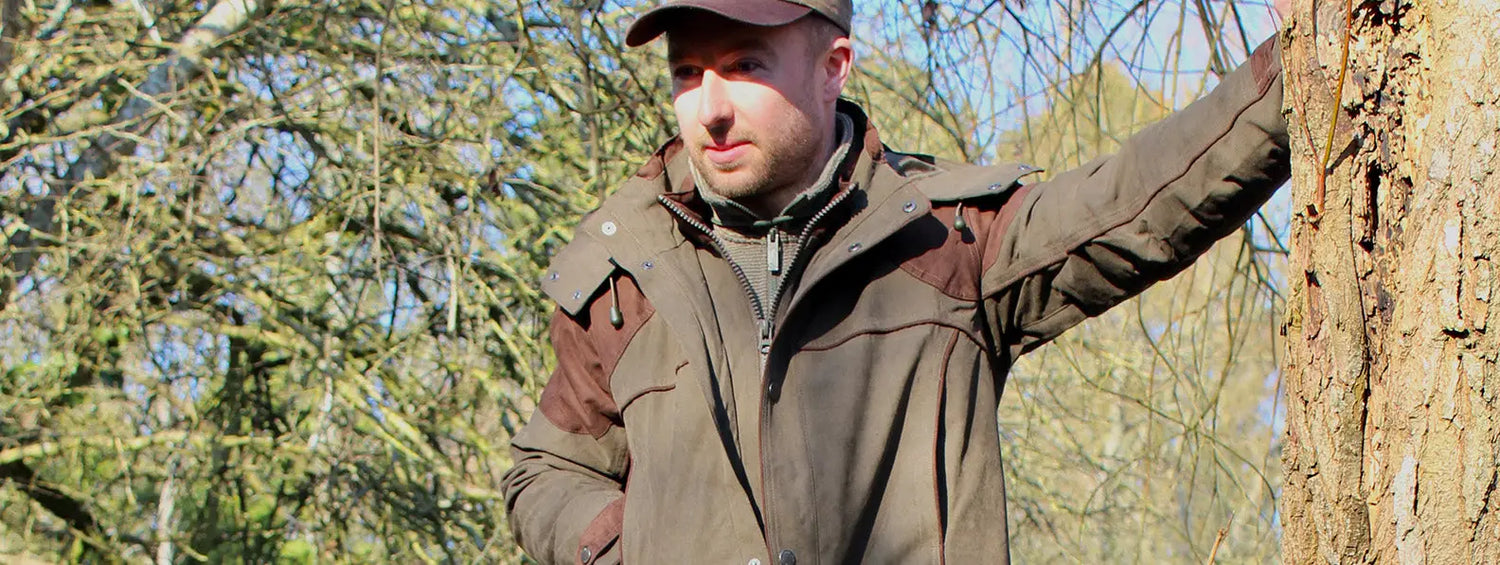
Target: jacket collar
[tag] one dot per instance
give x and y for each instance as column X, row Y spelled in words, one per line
column 645, row 228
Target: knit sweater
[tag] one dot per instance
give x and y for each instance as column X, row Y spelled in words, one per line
column 765, row 248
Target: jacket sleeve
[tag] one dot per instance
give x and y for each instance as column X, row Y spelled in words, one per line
column 1092, row 237
column 565, row 494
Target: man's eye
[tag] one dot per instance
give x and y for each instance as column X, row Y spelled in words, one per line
column 685, row 72
column 745, row 66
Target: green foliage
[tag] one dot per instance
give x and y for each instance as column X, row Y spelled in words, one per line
column 278, row 304
column 301, row 289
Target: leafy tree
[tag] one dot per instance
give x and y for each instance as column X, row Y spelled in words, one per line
column 267, row 288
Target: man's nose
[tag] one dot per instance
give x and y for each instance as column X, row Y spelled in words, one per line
column 714, row 109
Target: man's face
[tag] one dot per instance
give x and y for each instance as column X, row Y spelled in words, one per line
column 754, row 104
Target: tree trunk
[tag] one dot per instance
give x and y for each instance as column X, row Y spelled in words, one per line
column 1393, row 427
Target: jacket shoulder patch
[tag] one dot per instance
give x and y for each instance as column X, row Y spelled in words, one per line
column 577, row 273
column 967, row 182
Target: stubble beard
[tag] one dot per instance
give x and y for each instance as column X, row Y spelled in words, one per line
column 780, row 162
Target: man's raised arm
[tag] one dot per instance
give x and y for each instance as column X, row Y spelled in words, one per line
column 1076, row 245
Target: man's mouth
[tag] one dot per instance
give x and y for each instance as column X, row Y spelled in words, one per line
column 726, row 153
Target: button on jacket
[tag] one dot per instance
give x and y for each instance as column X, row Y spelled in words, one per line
column 870, row 388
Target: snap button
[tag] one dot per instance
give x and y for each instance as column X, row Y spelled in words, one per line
column 855, row 247
column 773, row 391
column 608, row 228
column 554, row 276
column 910, row 205
column 586, row 554
column 648, row 265
column 754, row 561
column 577, row 295
column 787, row 558
column 995, row 187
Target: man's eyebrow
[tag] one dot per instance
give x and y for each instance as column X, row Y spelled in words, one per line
column 753, row 43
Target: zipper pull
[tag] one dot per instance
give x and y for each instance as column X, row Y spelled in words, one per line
column 765, row 339
column 773, row 251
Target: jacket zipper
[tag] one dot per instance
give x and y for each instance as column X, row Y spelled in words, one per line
column 805, row 242
column 762, row 321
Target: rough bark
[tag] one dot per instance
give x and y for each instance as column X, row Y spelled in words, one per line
column 1393, row 429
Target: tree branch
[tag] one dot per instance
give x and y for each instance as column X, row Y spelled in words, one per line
column 10, row 29
column 63, row 506
column 99, row 159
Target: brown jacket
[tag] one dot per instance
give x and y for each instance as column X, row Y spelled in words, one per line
column 876, row 392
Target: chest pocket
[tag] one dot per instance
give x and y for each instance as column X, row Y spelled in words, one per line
column 651, row 365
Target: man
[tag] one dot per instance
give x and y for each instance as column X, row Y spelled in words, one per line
column 783, row 342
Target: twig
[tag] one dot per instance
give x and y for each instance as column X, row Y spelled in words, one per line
column 166, row 520
column 54, row 20
column 148, row 21
column 1213, row 554
column 10, row 32
column 1315, row 211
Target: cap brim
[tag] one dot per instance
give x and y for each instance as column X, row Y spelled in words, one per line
column 765, row 13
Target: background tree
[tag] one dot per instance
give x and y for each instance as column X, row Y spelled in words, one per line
column 267, row 287
column 269, row 276
column 1145, row 433
column 1393, row 426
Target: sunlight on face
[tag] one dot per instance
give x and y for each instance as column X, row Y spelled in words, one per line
column 752, row 103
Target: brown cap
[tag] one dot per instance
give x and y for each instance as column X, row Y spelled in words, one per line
column 753, row 12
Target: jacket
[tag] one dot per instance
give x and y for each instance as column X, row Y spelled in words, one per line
column 872, row 389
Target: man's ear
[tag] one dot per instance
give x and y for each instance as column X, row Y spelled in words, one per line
column 837, row 66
